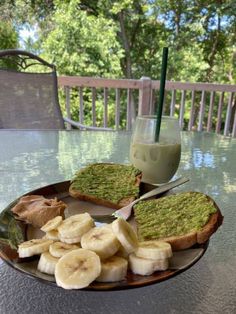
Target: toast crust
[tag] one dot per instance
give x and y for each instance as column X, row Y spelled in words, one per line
column 98, row 201
column 196, row 237
column 213, row 224
column 93, row 199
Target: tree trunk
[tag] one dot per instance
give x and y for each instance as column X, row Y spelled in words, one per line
column 232, row 114
column 127, row 68
column 127, row 65
column 213, row 53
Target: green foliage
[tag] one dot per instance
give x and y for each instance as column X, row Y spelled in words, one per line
column 124, row 39
column 8, row 40
column 82, row 44
column 8, row 36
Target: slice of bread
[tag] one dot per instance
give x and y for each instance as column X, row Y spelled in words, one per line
column 182, row 219
column 107, row 184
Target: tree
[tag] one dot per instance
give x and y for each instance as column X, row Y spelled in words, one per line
column 124, row 39
column 81, row 43
column 199, row 33
column 8, row 36
column 208, row 28
column 8, row 33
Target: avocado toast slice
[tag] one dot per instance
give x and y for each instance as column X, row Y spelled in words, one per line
column 182, row 219
column 107, row 184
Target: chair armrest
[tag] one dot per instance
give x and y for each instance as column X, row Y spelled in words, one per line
column 80, row 125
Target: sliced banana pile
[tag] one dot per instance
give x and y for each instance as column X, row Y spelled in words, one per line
column 77, row 252
column 150, row 256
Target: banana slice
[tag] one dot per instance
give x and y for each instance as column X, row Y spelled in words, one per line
column 47, row 263
column 144, row 266
column 113, row 269
column 77, row 269
column 125, row 234
column 52, row 224
column 52, row 235
column 33, row 247
column 58, row 249
column 161, row 264
column 70, row 240
column 154, row 250
column 122, row 253
column 75, row 226
column 102, row 241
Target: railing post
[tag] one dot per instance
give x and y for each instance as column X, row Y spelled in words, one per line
column 191, row 118
column 129, row 110
column 105, row 111
column 94, row 91
column 234, row 126
column 172, row 104
column 228, row 114
column 219, row 113
column 202, row 111
column 117, row 113
column 68, row 113
column 182, row 109
column 81, row 105
column 145, row 96
column 210, row 113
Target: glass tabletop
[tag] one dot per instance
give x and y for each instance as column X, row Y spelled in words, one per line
column 32, row 159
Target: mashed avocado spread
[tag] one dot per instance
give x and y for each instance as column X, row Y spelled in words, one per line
column 112, row 182
column 172, row 215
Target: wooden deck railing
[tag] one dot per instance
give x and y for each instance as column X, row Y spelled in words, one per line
column 199, row 106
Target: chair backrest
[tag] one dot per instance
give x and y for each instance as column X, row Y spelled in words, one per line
column 28, row 92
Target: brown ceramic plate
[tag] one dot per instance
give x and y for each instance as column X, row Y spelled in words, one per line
column 12, row 232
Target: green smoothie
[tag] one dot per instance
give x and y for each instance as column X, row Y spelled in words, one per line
column 157, row 161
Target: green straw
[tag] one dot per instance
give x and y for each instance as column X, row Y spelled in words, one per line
column 162, row 92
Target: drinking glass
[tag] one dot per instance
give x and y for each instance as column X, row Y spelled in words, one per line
column 158, row 161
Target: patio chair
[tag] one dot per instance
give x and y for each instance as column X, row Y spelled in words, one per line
column 29, row 93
